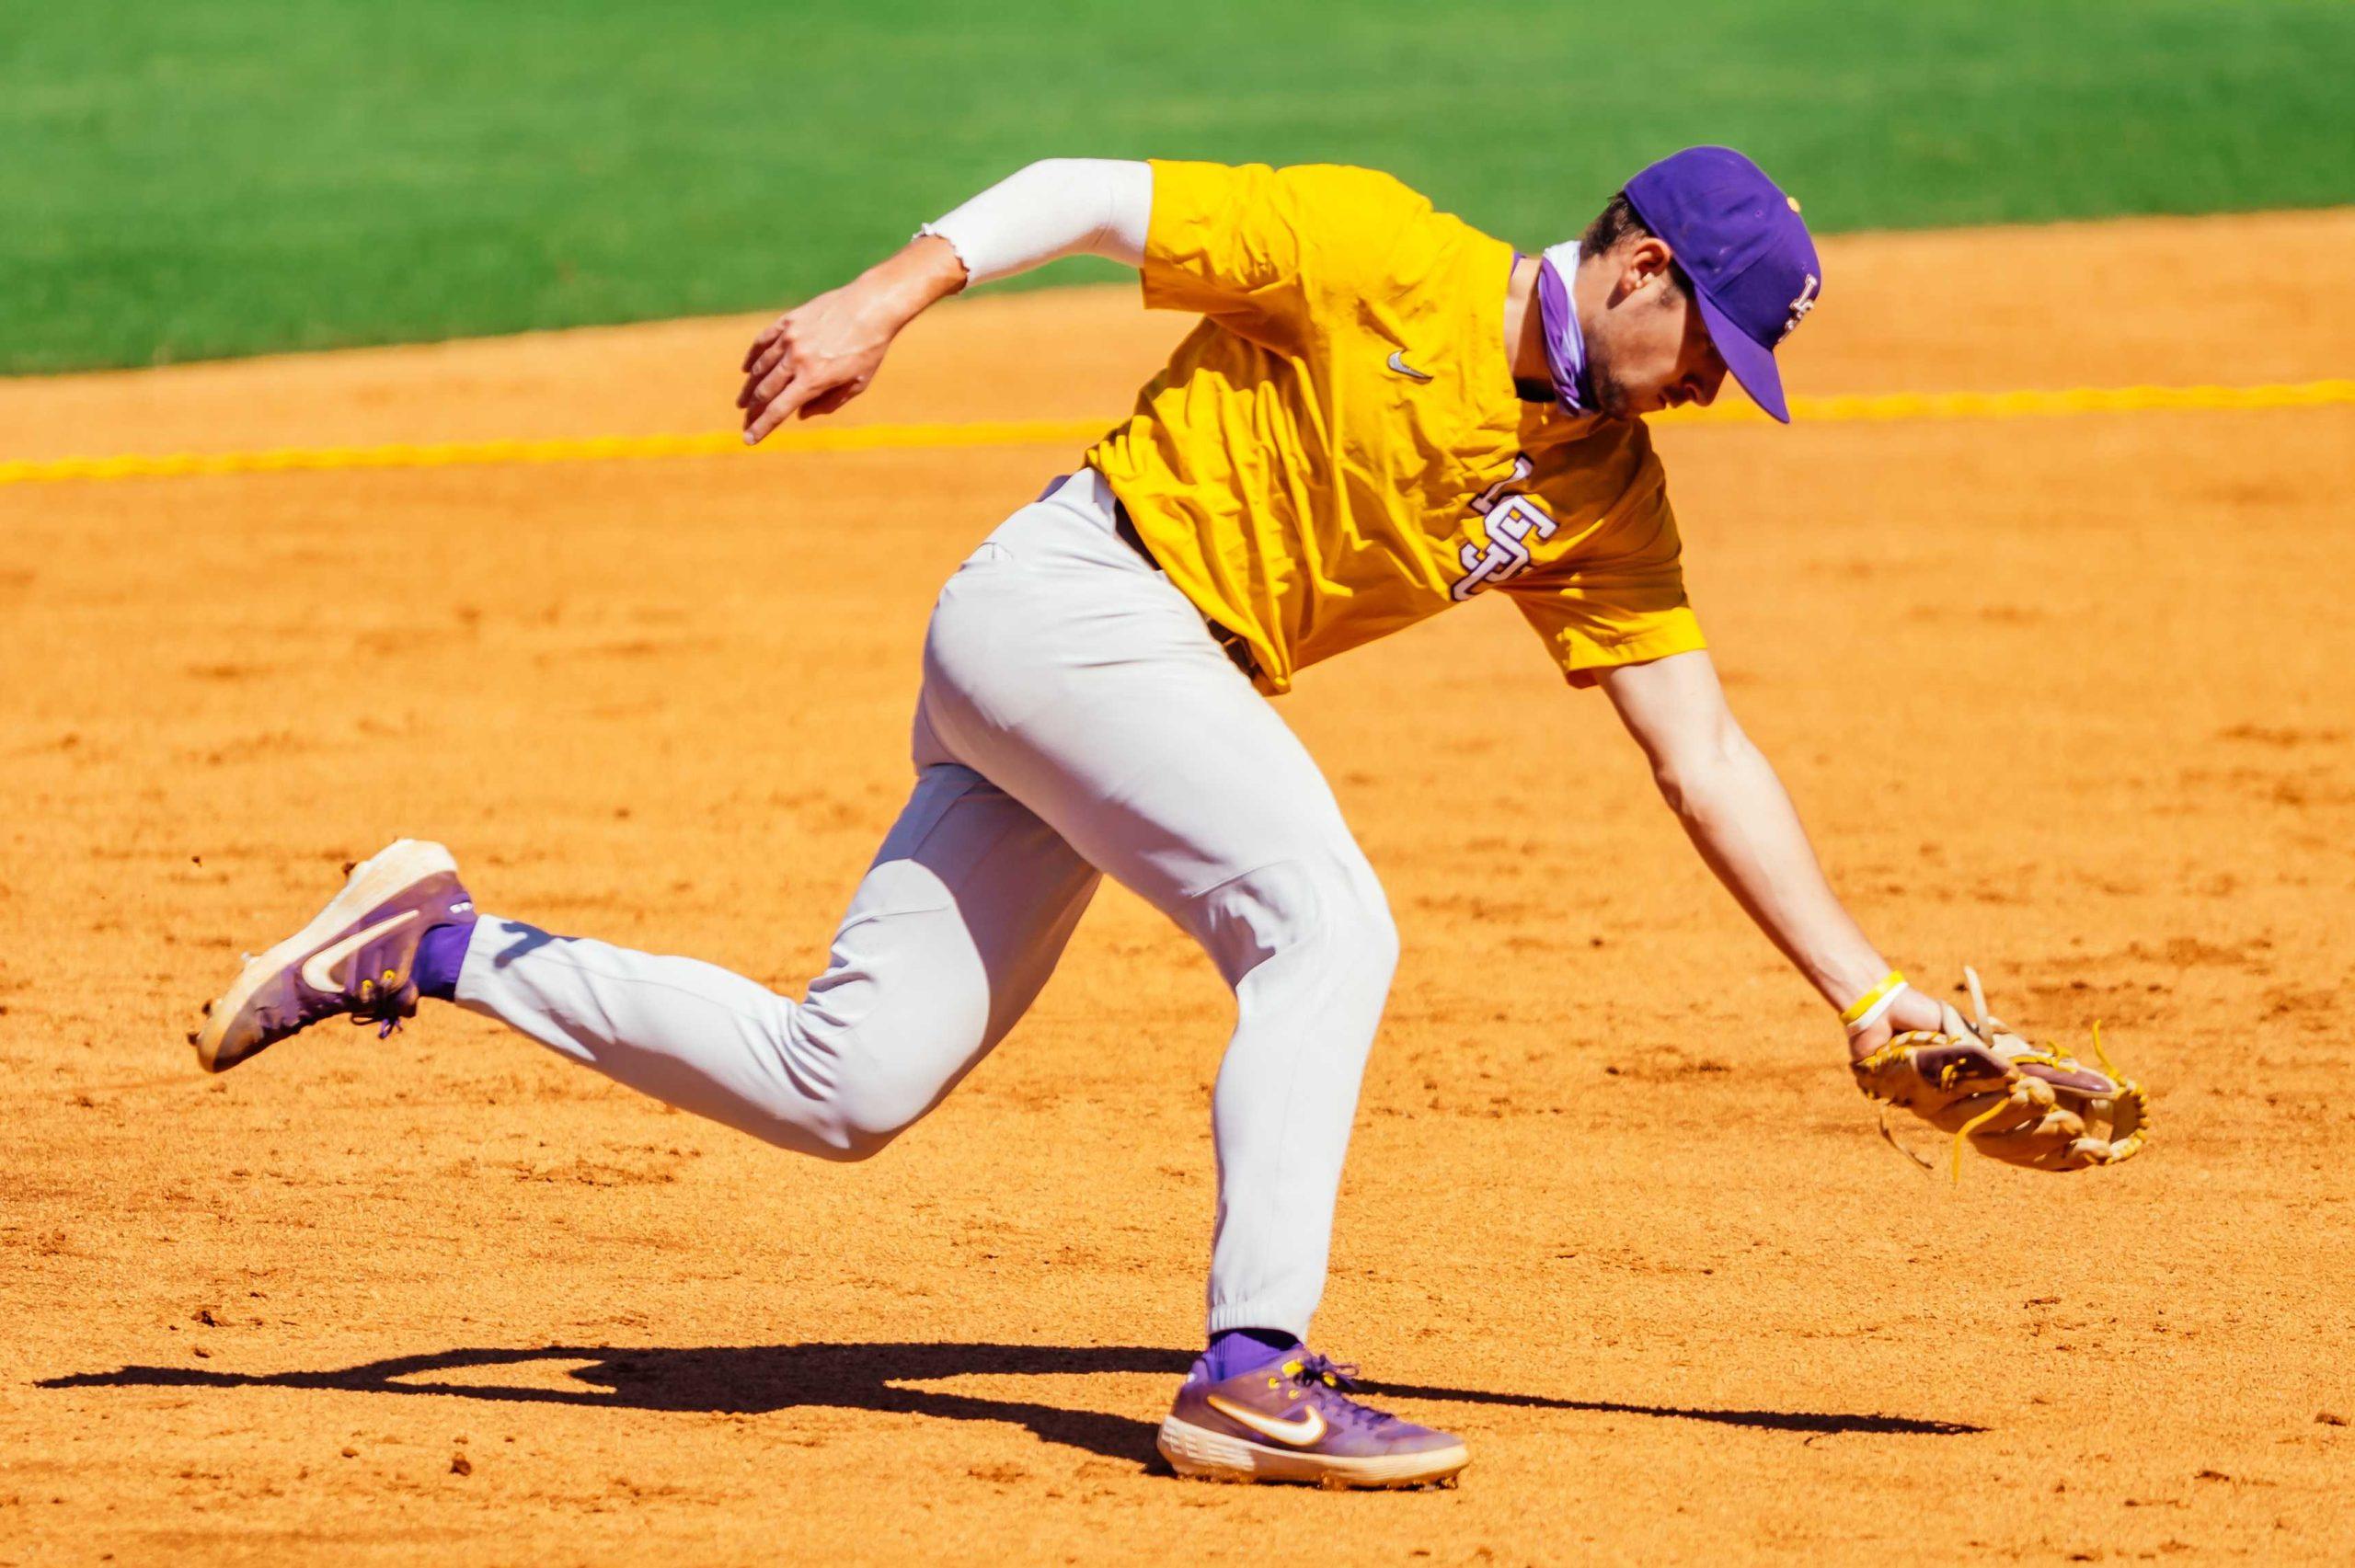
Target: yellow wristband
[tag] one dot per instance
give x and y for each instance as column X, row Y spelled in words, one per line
column 1871, row 1004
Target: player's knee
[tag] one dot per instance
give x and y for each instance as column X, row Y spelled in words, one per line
column 1334, row 905
column 873, row 1102
column 900, row 1016
column 858, row 1132
column 850, row 1144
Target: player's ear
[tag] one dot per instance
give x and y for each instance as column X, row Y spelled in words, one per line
column 1643, row 263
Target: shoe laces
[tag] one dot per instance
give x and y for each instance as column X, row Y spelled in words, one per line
column 383, row 1005
column 1330, row 1383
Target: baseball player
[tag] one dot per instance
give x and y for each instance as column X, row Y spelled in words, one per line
column 1383, row 412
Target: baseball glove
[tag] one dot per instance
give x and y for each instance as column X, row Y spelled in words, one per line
column 1992, row 1089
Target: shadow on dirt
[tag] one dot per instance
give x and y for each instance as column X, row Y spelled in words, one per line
column 755, row 1380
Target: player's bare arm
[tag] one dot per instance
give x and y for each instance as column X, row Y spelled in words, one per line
column 1976, row 1080
column 1735, row 810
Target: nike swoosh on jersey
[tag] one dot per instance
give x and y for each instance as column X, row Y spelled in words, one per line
column 1398, row 362
column 318, row 969
column 1298, row 1432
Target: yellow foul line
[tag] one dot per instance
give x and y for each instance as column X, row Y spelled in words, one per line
column 1879, row 407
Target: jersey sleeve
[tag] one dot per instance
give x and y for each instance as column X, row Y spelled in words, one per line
column 1251, row 246
column 1622, row 601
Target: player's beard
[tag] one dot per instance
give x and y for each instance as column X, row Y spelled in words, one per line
column 1611, row 398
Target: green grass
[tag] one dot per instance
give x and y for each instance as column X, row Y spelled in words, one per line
column 212, row 177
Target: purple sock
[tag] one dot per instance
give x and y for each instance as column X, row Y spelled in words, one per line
column 441, row 953
column 1234, row 1351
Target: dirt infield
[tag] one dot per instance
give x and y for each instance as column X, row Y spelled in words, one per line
column 2072, row 699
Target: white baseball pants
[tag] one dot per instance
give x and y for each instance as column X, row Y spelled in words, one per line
column 1076, row 717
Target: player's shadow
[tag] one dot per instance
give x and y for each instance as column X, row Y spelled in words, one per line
column 755, row 1380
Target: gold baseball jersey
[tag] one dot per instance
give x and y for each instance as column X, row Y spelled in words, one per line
column 1337, row 450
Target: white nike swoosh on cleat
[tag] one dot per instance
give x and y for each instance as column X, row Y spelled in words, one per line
column 1299, row 1432
column 318, row 969
column 1398, row 362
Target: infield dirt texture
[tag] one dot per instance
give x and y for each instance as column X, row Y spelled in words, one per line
column 2066, row 697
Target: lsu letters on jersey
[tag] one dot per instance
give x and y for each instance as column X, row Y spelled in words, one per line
column 1337, row 450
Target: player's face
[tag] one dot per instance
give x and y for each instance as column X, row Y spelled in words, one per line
column 1650, row 349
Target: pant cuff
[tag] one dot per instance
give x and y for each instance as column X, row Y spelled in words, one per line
column 475, row 974
column 1260, row 1314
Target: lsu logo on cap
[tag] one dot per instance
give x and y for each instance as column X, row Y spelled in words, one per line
column 1800, row 307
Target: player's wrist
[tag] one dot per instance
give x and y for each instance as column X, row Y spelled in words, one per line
column 1847, row 974
column 1867, row 1010
column 924, row 272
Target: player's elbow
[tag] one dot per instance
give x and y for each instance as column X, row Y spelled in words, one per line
column 1702, row 767
column 1672, row 786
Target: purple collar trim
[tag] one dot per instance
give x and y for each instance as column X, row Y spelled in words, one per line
column 1565, row 343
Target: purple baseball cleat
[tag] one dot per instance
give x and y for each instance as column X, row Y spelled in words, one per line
column 358, row 957
column 1293, row 1421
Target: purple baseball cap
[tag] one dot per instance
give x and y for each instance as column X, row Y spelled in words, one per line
column 1741, row 241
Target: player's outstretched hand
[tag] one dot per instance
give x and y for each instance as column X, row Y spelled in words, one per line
column 819, row 356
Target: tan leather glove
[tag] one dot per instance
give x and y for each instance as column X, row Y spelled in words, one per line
column 2006, row 1098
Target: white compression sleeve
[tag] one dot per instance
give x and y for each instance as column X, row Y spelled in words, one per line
column 1056, row 207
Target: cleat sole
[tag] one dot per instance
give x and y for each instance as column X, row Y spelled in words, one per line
column 1199, row 1454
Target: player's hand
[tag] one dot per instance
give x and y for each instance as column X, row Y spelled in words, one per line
column 819, row 356
column 815, row 357
column 1911, row 1010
